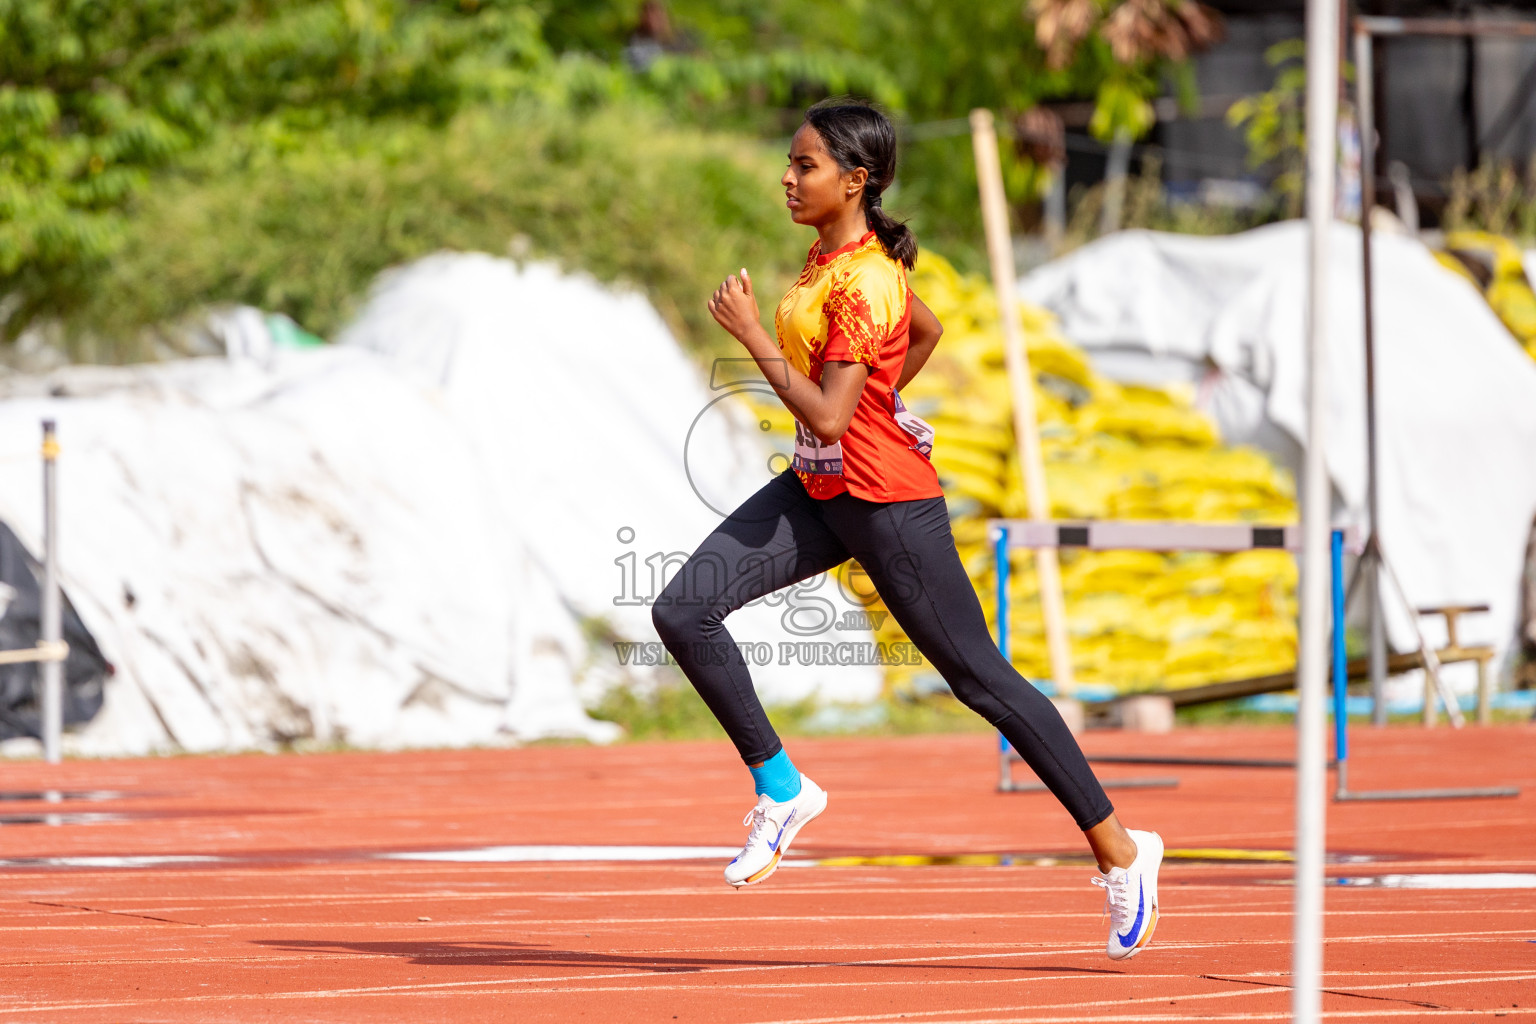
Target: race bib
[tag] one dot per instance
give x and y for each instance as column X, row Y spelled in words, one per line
column 919, row 428
column 813, row 457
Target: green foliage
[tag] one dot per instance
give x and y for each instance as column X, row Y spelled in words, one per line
column 1493, row 197
column 162, row 155
column 1274, row 122
column 674, row 711
column 618, row 193
column 98, row 97
column 671, row 712
column 1122, row 107
column 926, row 61
column 1145, row 205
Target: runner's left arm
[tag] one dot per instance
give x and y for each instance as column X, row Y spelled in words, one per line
column 924, row 336
column 825, row 409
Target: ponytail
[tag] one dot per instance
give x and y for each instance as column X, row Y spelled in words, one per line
column 895, row 237
column 860, row 136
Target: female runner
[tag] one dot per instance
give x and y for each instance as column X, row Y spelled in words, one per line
column 850, row 334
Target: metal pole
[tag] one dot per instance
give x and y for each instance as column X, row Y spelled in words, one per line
column 1365, row 94
column 1116, row 168
column 1056, row 211
column 1026, row 427
column 1312, row 658
column 51, row 672
column 1340, row 669
column 1004, row 771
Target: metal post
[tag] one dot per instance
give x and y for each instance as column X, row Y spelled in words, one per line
column 1312, row 657
column 1116, row 168
column 1340, row 669
column 1370, row 558
column 1004, row 772
column 1056, row 211
column 1001, row 551
column 52, row 671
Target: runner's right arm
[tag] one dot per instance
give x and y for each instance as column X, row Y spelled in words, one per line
column 826, row 408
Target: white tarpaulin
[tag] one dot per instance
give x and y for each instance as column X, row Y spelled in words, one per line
column 409, row 539
column 1456, row 396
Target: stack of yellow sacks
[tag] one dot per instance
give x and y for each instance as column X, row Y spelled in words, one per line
column 1508, row 290
column 1138, row 620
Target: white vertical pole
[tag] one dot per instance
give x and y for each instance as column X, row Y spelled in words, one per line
column 51, row 631
column 1116, row 169
column 1026, row 428
column 1312, row 658
column 1370, row 564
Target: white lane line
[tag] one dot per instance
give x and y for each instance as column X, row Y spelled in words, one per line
column 562, row 983
column 1335, row 832
column 1460, row 880
column 193, row 904
column 1170, row 997
column 1254, row 897
column 1066, row 975
column 1032, row 949
column 584, row 854
column 1334, row 988
column 822, row 919
column 1417, row 1012
column 427, row 988
column 720, row 892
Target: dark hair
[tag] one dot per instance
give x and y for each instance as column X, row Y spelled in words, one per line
column 857, row 135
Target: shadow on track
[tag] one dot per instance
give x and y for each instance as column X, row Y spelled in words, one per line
column 519, row 954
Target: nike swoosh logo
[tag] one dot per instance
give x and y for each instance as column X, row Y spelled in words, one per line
column 774, row 846
column 1141, row 909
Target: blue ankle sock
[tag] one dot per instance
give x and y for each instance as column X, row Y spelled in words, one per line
column 778, row 777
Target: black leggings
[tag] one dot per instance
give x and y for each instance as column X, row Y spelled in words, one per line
column 781, row 536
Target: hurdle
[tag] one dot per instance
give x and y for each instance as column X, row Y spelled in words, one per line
column 1138, row 535
column 1341, row 791
column 51, row 650
column 1151, row 535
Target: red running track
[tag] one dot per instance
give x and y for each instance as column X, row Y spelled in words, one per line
column 296, row 919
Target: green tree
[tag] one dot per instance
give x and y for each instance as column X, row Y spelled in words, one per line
column 134, row 134
column 99, row 97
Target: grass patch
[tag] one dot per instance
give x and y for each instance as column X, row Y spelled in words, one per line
column 1233, row 713
column 676, row 712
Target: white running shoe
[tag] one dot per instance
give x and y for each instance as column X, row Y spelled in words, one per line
column 1130, row 896
column 774, row 826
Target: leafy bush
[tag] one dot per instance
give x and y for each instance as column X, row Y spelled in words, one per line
column 99, row 97
column 618, row 194
column 161, row 155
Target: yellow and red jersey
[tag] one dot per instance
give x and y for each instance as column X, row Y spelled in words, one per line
column 853, row 305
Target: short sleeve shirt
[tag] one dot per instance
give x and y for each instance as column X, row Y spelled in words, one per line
column 853, row 305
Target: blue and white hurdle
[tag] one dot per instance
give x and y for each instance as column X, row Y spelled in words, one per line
column 1106, row 535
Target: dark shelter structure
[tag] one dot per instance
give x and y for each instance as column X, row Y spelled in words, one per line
column 1443, row 102
column 85, row 670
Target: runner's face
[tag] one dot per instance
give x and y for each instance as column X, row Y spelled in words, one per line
column 815, row 188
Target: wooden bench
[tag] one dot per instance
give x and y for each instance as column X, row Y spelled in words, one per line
column 1455, row 651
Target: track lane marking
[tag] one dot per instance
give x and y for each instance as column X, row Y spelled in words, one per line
column 431, row 987
column 1277, row 990
column 1143, row 1018
column 502, row 987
